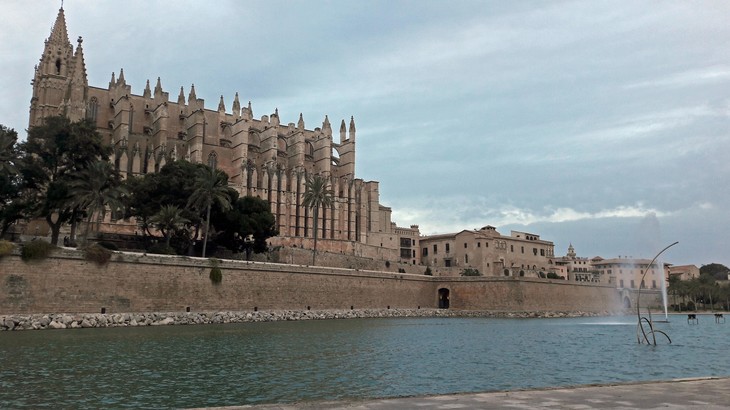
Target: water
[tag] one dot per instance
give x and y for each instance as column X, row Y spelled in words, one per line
column 219, row 365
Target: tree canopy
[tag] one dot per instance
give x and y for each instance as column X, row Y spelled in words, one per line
column 716, row 270
column 248, row 216
column 53, row 154
column 62, row 173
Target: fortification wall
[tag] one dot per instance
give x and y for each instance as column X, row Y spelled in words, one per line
column 529, row 294
column 66, row 283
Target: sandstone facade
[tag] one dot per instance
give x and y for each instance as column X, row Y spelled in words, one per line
column 67, row 283
column 262, row 156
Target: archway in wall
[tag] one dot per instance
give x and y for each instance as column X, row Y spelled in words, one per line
column 627, row 302
column 443, row 298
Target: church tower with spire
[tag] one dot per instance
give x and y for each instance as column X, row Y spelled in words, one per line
column 59, row 84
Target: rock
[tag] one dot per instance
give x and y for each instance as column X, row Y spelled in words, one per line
column 56, row 325
column 86, row 323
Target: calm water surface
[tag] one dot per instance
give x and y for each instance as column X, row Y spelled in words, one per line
column 218, row 365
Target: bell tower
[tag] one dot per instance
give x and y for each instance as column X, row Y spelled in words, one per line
column 59, row 84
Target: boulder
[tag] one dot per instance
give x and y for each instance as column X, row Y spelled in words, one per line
column 56, row 325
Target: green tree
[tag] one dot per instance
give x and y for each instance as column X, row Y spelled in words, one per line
column 8, row 151
column 168, row 220
column 248, row 216
column 717, row 270
column 211, row 187
column 470, row 272
column 173, row 185
column 94, row 188
column 54, row 152
column 317, row 195
column 12, row 200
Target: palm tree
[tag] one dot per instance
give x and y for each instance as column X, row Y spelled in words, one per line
column 167, row 220
column 211, row 186
column 317, row 195
column 94, row 188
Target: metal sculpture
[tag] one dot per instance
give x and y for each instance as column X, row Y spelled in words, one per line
column 641, row 334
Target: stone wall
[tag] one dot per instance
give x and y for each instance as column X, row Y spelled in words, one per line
column 134, row 282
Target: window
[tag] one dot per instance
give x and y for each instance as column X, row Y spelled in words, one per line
column 92, row 109
column 632, row 283
column 405, row 253
column 424, row 252
column 511, row 248
column 542, row 252
column 621, row 283
column 466, row 258
column 522, row 249
column 435, row 249
column 464, row 245
column 447, row 248
column 534, row 251
column 447, row 263
column 213, row 162
column 653, row 284
column 405, row 242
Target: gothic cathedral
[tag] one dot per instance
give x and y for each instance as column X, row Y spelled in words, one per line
column 262, row 157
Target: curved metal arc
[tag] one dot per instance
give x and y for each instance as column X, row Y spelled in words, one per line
column 652, row 331
column 665, row 335
column 641, row 284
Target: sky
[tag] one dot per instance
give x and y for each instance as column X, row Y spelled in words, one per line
column 605, row 124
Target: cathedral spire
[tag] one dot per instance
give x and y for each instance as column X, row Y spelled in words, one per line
column 343, row 131
column 158, row 88
column 352, row 128
column 300, row 124
column 76, row 93
column 236, row 106
column 192, row 97
column 59, row 33
column 221, row 105
column 181, row 98
column 147, row 91
column 80, row 64
column 121, row 80
column 52, row 75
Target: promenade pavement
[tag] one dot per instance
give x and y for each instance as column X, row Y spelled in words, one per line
column 705, row 393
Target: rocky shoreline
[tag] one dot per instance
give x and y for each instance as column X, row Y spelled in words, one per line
column 101, row 320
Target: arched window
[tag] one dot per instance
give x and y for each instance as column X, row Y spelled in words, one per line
column 58, row 66
column 92, row 109
column 213, row 160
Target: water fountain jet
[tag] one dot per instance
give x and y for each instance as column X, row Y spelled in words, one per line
column 640, row 331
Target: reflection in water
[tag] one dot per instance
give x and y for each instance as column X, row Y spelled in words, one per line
column 218, row 365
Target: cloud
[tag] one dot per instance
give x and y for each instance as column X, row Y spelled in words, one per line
column 466, row 213
column 701, row 76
